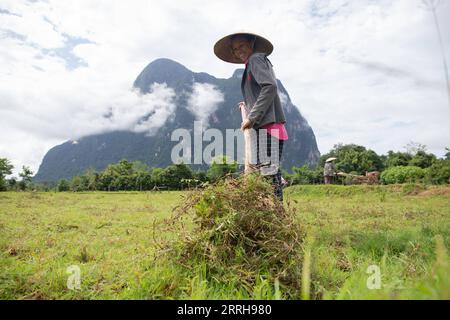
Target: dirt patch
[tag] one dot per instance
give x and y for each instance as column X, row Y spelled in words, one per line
column 436, row 191
column 13, row 251
column 37, row 295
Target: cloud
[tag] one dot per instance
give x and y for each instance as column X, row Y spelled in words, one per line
column 146, row 113
column 37, row 30
column 203, row 101
column 367, row 72
column 125, row 110
column 390, row 71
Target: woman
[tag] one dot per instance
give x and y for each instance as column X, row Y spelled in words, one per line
column 260, row 92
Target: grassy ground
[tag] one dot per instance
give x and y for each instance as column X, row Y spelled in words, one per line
column 401, row 231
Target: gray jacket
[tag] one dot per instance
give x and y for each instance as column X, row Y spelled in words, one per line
column 260, row 91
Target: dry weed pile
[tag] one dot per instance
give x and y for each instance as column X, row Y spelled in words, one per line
column 237, row 231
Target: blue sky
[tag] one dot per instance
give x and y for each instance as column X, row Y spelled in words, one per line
column 362, row 71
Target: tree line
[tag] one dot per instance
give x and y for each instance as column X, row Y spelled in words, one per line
column 122, row 176
column 413, row 165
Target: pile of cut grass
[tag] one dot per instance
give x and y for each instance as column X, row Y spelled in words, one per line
column 237, row 233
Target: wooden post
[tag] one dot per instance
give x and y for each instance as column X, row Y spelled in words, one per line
column 249, row 141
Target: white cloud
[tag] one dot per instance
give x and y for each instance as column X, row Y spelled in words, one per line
column 127, row 110
column 35, row 28
column 360, row 71
column 203, row 101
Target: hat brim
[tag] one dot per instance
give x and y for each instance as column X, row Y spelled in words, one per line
column 222, row 48
column 330, row 159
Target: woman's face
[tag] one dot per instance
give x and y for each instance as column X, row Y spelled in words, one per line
column 241, row 49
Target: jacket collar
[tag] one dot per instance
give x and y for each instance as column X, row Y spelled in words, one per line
column 244, row 75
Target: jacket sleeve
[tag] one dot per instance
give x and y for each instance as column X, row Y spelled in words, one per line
column 262, row 74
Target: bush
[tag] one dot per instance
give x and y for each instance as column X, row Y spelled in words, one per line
column 63, row 185
column 2, row 184
column 422, row 159
column 351, row 157
column 439, row 172
column 402, row 174
column 305, row 175
column 241, row 233
column 173, row 175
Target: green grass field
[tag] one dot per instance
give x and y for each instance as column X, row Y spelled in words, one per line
column 402, row 230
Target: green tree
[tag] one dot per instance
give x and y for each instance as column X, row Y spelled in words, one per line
column 402, row 174
column 12, row 183
column 77, row 184
column 447, row 155
column 5, row 169
column 220, row 167
column 63, row 185
column 90, row 179
column 306, row 175
column 394, row 159
column 141, row 174
column 288, row 176
column 157, row 177
column 353, row 158
column 124, row 175
column 414, row 147
column 439, row 172
column 26, row 176
column 422, row 159
column 174, row 174
column 106, row 178
column 117, row 176
column 201, row 176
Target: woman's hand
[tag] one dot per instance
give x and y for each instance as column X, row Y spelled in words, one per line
column 246, row 125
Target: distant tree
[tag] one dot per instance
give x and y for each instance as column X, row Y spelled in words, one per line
column 26, row 176
column 439, row 172
column 5, row 169
column 402, row 174
column 173, row 175
column 353, row 158
column 288, row 177
column 106, row 178
column 76, row 184
column 157, row 176
column 201, row 176
column 124, row 175
column 220, row 167
column 117, row 176
column 12, row 183
column 90, row 179
column 136, row 175
column 422, row 159
column 63, row 185
column 447, row 155
column 46, row 186
column 141, row 176
column 412, row 148
column 393, row 159
column 306, row 175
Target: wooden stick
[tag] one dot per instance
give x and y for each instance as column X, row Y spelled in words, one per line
column 248, row 141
